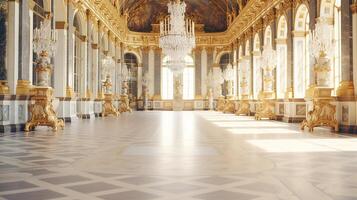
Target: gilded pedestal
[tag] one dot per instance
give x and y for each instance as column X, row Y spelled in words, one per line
column 229, row 106
column 244, row 107
column 108, row 107
column 4, row 88
column 42, row 112
column 323, row 112
column 124, row 104
column 220, row 104
column 266, row 106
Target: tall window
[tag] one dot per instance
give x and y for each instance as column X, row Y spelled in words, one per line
column 257, row 74
column 131, row 62
column 223, row 62
column 167, row 84
column 189, row 79
column 167, row 80
column 281, row 69
column 301, row 52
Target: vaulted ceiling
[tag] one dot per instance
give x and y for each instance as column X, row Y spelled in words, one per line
column 211, row 13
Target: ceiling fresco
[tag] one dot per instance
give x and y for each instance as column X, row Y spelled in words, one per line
column 211, row 13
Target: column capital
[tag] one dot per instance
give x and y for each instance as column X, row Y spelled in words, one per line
column 354, row 8
column 94, row 46
column 83, row 38
column 61, row 25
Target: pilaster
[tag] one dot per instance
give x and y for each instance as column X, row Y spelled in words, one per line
column 204, row 69
column 12, row 45
column 60, row 60
column 25, row 33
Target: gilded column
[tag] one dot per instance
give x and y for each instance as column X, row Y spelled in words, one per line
column 151, row 71
column 12, row 45
column 88, row 70
column 70, row 52
column 117, row 67
column 354, row 34
column 83, row 70
column 346, row 88
column 157, row 80
column 139, row 81
column 204, row 68
column 198, row 75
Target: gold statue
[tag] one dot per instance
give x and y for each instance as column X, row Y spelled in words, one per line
column 108, row 107
column 124, row 100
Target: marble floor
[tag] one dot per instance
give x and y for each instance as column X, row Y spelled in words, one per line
column 178, row 155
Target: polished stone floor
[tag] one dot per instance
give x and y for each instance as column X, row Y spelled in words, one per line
column 178, row 155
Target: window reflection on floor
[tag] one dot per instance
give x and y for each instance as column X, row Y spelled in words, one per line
column 299, row 141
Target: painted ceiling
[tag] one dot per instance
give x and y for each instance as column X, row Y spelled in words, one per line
column 211, row 13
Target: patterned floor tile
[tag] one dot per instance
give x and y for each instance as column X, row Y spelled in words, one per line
column 8, row 186
column 216, row 180
column 177, row 188
column 140, row 180
column 191, row 156
column 93, row 187
column 34, row 195
column 129, row 195
column 65, row 179
column 226, row 195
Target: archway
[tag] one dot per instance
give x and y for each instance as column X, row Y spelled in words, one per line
column 131, row 62
column 224, row 60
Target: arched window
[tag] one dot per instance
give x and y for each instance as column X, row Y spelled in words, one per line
column 167, row 80
column 257, row 75
column 282, row 53
column 223, row 62
column 268, row 36
column 301, row 52
column 247, row 65
column 131, row 62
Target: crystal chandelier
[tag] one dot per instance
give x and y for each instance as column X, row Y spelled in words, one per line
column 44, row 38
column 177, row 35
column 268, row 63
column 228, row 73
column 44, row 45
column 321, row 40
column 322, row 49
column 108, row 65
